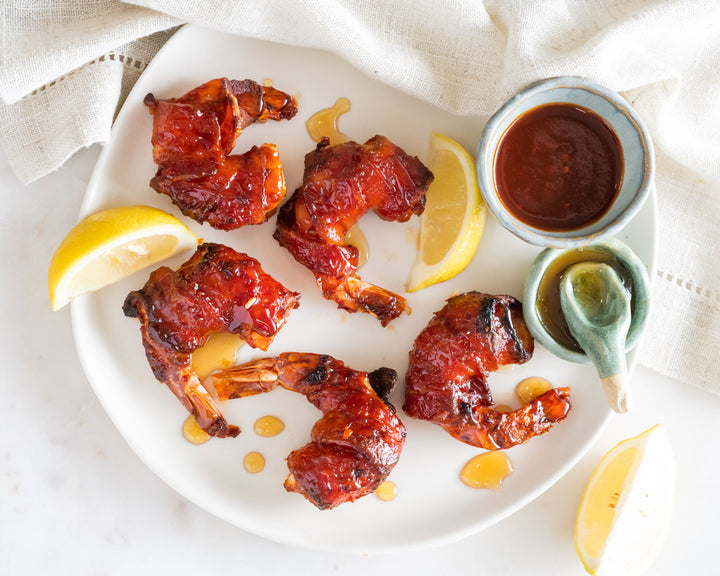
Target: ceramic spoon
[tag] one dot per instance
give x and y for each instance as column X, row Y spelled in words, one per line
column 596, row 306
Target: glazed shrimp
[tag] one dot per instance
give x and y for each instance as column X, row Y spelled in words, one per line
column 193, row 137
column 340, row 184
column 355, row 444
column 216, row 290
column 474, row 334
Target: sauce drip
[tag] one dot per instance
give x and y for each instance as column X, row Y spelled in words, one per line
column 548, row 297
column 558, row 167
column 218, row 352
column 324, row 123
column 192, row 431
column 356, row 237
column 530, row 388
column 254, row 462
column 268, row 426
column 386, row 491
column 487, row 470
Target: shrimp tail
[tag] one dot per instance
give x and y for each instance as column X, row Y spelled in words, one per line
column 355, row 295
column 355, row 444
column 495, row 430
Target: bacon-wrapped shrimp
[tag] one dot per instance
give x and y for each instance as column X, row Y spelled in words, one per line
column 355, row 444
column 217, row 290
column 470, row 337
column 193, row 137
column 340, row 184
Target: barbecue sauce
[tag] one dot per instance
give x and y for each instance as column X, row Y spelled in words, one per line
column 558, row 167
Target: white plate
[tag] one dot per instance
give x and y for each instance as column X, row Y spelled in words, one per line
column 432, row 505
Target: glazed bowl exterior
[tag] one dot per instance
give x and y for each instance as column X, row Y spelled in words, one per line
column 637, row 149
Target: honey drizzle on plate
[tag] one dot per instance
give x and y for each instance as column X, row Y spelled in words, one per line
column 530, row 388
column 386, row 491
column 487, row 470
column 269, row 426
column 192, row 431
column 254, row 462
column 324, row 123
column 218, row 352
column 356, row 237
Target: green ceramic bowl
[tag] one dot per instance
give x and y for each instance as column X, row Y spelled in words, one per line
column 641, row 291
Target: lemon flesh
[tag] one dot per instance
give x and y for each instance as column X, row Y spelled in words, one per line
column 625, row 511
column 110, row 245
column 452, row 224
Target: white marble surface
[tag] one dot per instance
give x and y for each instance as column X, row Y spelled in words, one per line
column 75, row 499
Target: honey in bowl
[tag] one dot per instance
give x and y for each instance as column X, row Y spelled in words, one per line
column 558, row 167
column 547, row 302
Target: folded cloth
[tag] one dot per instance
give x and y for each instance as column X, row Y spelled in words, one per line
column 66, row 66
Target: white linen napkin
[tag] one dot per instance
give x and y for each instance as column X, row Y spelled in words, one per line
column 66, row 66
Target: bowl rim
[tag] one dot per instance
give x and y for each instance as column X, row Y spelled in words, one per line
column 641, row 284
column 491, row 137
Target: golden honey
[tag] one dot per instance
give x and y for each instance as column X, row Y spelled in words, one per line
column 254, row 462
column 548, row 296
column 219, row 352
column 530, row 388
column 356, row 237
column 324, row 123
column 386, row 491
column 268, row 426
column 487, row 470
column 192, row 431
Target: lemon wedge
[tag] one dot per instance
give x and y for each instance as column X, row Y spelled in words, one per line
column 111, row 245
column 625, row 511
column 454, row 216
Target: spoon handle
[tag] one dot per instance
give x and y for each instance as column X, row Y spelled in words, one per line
column 617, row 391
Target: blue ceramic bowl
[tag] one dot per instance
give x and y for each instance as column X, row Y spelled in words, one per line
column 641, row 290
column 638, row 156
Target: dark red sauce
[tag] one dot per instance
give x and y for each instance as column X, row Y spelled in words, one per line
column 558, row 167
